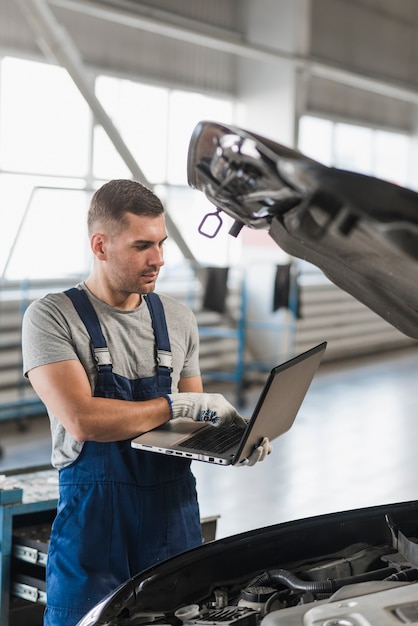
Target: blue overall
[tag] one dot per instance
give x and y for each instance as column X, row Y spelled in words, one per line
column 120, row 510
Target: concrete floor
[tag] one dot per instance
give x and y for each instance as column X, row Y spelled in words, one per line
column 353, row 445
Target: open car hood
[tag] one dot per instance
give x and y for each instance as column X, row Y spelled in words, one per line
column 362, row 232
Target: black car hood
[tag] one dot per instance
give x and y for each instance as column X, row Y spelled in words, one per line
column 362, row 232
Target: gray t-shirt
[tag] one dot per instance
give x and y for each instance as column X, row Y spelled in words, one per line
column 53, row 331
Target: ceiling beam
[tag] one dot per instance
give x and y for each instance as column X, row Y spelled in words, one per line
column 183, row 29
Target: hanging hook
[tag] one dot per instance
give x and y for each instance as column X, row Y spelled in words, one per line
column 217, row 227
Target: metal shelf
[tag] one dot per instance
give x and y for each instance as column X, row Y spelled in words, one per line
column 26, row 500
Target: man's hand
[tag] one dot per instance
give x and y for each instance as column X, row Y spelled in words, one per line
column 259, row 454
column 215, row 409
column 205, row 407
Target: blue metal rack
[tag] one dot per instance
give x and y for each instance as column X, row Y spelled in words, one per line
column 236, row 332
column 243, row 366
column 26, row 499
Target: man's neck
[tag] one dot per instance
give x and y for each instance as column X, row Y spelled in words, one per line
column 115, row 299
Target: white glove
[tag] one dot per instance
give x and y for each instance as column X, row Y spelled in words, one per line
column 259, row 454
column 205, row 407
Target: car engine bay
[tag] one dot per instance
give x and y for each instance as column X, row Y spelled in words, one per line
column 354, row 568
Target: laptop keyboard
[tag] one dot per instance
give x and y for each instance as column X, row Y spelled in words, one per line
column 215, row 439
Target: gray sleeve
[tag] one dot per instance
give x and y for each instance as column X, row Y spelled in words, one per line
column 184, row 337
column 46, row 337
column 191, row 363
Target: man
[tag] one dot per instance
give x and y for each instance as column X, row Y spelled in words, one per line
column 110, row 364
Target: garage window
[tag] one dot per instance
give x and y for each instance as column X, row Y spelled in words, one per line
column 372, row 151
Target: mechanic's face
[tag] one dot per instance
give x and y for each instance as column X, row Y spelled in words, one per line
column 133, row 257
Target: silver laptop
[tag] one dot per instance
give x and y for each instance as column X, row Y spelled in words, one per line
column 275, row 412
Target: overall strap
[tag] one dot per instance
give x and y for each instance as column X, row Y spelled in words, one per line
column 156, row 309
column 88, row 316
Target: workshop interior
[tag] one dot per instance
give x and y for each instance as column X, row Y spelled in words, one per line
column 281, row 136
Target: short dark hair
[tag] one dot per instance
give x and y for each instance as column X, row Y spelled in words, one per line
column 117, row 197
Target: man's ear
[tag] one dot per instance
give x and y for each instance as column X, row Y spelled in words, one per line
column 98, row 245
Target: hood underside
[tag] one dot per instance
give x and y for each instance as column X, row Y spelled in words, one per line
column 362, row 232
